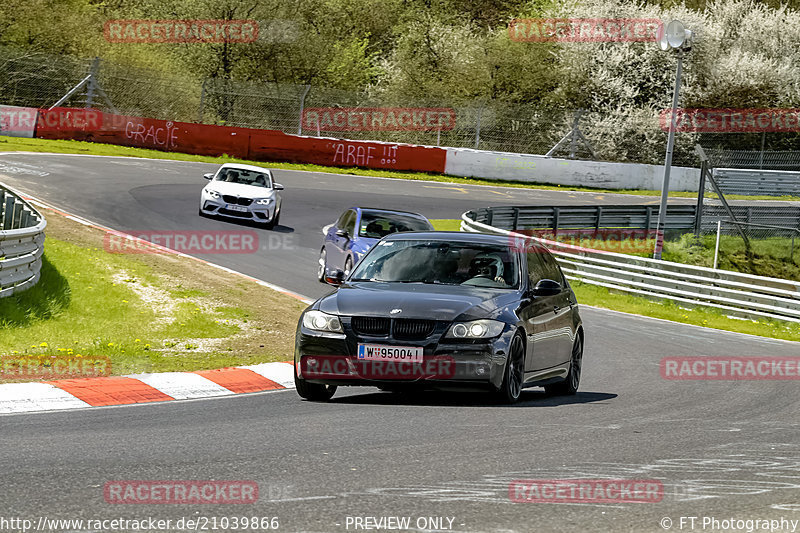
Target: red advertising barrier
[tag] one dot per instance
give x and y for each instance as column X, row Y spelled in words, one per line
column 259, row 145
column 272, row 146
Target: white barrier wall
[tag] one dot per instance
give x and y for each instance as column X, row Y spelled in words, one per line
column 18, row 121
column 466, row 162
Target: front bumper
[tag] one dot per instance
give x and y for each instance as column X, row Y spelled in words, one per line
column 332, row 359
column 254, row 212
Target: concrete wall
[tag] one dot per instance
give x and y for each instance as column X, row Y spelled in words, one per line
column 17, row 121
column 466, row 162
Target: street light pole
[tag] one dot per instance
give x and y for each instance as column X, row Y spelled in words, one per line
column 662, row 211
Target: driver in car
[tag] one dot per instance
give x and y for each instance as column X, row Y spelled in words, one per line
column 488, row 266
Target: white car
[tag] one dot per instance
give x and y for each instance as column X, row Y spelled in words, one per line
column 243, row 192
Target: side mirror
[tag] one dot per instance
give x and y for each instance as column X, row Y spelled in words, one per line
column 547, row 287
column 209, row 176
column 335, row 278
column 342, row 233
column 277, row 186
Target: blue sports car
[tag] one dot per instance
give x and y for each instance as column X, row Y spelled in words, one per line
column 357, row 230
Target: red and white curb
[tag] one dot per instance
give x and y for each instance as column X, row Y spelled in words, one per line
column 143, row 388
column 146, row 388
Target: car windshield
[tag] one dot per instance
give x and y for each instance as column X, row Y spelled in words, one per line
column 440, row 262
column 378, row 225
column 245, row 177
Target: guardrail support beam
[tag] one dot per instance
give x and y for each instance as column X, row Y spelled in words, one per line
column 8, row 213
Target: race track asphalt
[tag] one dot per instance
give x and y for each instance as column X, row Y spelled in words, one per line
column 722, row 449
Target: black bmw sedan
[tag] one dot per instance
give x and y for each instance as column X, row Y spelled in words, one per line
column 444, row 310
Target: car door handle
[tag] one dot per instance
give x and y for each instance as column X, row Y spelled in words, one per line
column 556, row 308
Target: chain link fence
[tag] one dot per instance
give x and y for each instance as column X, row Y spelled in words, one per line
column 39, row 80
column 761, row 249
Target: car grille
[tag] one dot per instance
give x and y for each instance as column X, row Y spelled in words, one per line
column 230, row 213
column 370, row 325
column 236, row 200
column 412, row 329
column 401, row 328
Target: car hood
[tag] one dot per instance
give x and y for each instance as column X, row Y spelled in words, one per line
column 436, row 302
column 240, row 189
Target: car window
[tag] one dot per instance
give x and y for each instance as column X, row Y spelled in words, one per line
column 536, row 267
column 245, row 177
column 441, row 262
column 542, row 265
column 376, row 225
column 340, row 221
column 551, row 269
column 350, row 223
column 347, row 221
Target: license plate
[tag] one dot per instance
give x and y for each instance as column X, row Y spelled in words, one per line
column 237, row 208
column 379, row 352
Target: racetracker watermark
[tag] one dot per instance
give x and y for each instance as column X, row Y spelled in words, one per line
column 181, row 492
column 343, row 367
column 187, row 242
column 730, row 368
column 53, row 366
column 586, row 490
column 613, row 240
column 732, row 120
column 181, row 31
column 577, row 30
column 379, row 118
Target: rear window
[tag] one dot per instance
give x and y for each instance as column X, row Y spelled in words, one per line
column 378, row 225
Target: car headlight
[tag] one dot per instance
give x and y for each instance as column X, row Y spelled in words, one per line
column 476, row 329
column 319, row 321
column 212, row 193
column 264, row 201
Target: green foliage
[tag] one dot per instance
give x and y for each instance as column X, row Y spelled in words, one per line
column 442, row 52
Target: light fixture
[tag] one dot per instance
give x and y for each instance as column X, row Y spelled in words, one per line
column 675, row 36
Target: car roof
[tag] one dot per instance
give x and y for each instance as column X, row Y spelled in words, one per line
column 391, row 211
column 246, row 167
column 449, row 236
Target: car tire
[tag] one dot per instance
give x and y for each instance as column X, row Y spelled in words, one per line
column 313, row 392
column 274, row 222
column 570, row 385
column 511, row 388
column 323, row 265
column 348, row 266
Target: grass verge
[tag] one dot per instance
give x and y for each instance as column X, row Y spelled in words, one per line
column 17, row 144
column 593, row 295
column 146, row 313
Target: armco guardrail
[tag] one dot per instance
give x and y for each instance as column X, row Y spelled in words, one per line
column 758, row 182
column 679, row 217
column 21, row 243
column 739, row 295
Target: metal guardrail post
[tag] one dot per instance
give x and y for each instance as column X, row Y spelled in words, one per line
column 515, row 222
column 17, row 217
column 478, row 127
column 556, row 213
column 302, row 107
column 8, row 212
column 698, row 215
column 599, row 216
